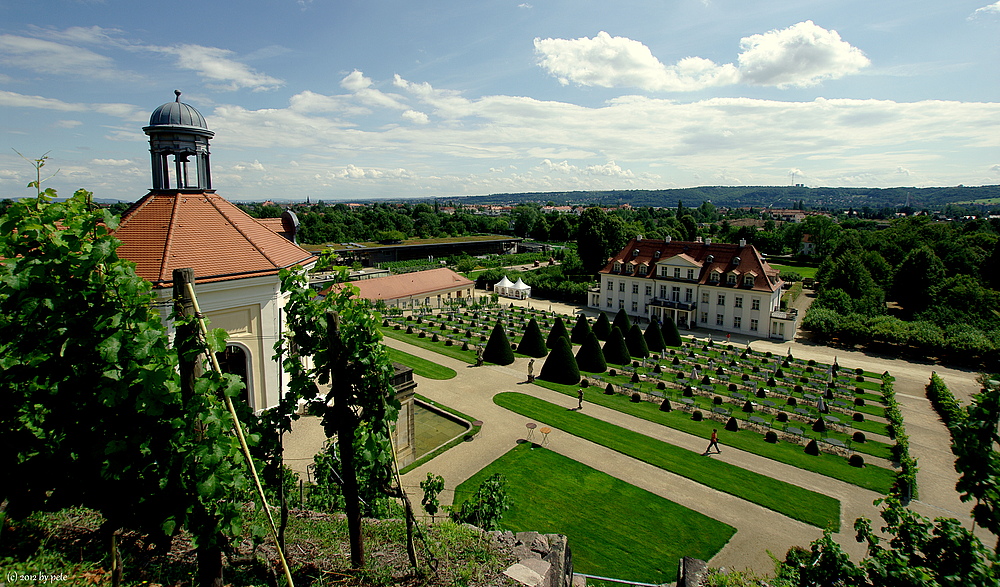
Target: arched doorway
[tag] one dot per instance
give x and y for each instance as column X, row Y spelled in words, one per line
column 235, row 360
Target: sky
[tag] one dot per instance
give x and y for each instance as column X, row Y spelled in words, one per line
column 351, row 100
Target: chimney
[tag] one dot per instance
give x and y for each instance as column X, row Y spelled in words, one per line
column 708, row 241
column 638, row 238
column 667, row 239
column 697, row 239
column 743, row 242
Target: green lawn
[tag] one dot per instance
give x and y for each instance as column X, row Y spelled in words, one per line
column 422, row 366
column 803, row 270
column 877, row 479
column 454, row 351
column 615, row 529
column 787, row 499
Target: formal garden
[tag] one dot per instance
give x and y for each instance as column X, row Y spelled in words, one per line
column 826, row 418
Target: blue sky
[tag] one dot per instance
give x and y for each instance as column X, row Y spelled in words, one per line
column 391, row 98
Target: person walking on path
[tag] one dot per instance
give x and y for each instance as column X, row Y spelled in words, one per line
column 714, row 442
column 579, row 399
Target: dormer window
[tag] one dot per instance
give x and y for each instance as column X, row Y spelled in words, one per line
column 714, row 277
column 618, row 267
column 635, row 253
column 748, row 281
column 628, row 268
column 731, row 279
column 642, row 269
column 656, row 255
column 663, row 271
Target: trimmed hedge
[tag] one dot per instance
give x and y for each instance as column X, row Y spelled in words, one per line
column 498, row 348
column 560, row 366
column 533, row 343
column 615, row 351
column 944, row 402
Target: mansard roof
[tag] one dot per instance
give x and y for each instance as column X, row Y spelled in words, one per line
column 709, row 256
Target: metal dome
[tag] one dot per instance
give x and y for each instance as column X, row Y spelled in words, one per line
column 177, row 113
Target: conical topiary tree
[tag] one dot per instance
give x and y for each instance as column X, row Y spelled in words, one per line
column 590, row 357
column 580, row 330
column 560, row 366
column 669, row 330
column 498, row 348
column 622, row 321
column 654, row 338
column 558, row 331
column 635, row 342
column 602, row 328
column 532, row 343
column 615, row 351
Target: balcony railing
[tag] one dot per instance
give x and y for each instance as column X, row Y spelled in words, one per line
column 790, row 314
column 664, row 303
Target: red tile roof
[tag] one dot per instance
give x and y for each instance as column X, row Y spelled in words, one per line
column 651, row 251
column 169, row 230
column 416, row 284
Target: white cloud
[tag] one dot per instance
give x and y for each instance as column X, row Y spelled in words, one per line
column 112, row 162
column 355, row 81
column 995, row 168
column 608, row 61
column 48, row 57
column 801, row 55
column 609, row 169
column 986, row 10
column 255, row 166
column 124, row 111
column 416, row 117
column 66, row 123
column 219, row 65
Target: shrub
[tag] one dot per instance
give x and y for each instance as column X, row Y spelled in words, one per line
column 615, row 351
column 513, row 346
column 771, row 381
column 422, row 334
column 745, row 377
column 811, row 363
column 858, row 417
column 809, row 369
column 635, row 377
column 859, row 371
column 609, row 390
column 558, row 331
column 385, row 323
column 688, row 391
column 585, row 383
column 533, row 343
column 779, row 373
column 782, row 417
column 858, row 390
column 732, row 387
column 456, row 330
column 396, row 327
column 798, row 389
column 676, row 361
column 697, row 416
column 771, row 436
column 859, row 437
column 665, row 405
column 434, row 337
column 580, row 330
column 636, row 398
column 636, row 343
column 856, row 460
column 706, row 380
column 465, row 345
column 560, row 366
column 732, row 425
column 449, row 342
column 768, row 354
column 409, row 330
column 661, row 385
column 482, row 338
column 748, row 407
column 812, row 448
column 621, row 321
column 654, row 337
column 791, row 401
column 720, row 371
column 859, row 401
column 819, row 425
column 717, row 400
column 498, row 348
column 859, row 379
column 755, row 369
column 602, row 328
column 762, row 393
column 420, row 319
column 656, row 368
column 670, row 335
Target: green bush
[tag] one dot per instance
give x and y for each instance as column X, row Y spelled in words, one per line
column 580, row 330
column 671, row 337
column 560, row 366
column 636, row 343
column 615, row 351
column 622, row 321
column 533, row 343
column 602, row 328
column 498, row 348
column 590, row 357
column 654, row 338
column 558, row 331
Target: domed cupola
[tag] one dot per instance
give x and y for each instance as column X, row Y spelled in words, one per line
column 177, row 129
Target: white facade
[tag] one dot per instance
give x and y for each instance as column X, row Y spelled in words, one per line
column 718, row 292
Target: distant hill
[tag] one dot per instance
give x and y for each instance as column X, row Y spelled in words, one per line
column 755, row 196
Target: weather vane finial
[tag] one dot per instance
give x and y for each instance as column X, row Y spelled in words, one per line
column 178, row 94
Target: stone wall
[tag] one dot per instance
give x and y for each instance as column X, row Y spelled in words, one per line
column 543, row 560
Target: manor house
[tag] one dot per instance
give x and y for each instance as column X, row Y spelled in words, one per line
column 727, row 287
